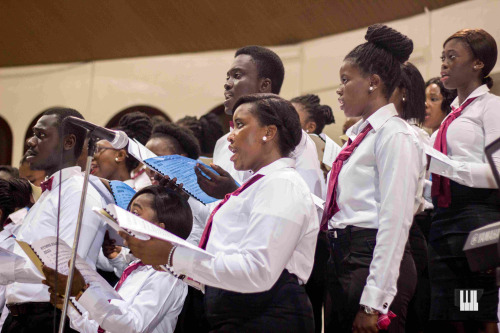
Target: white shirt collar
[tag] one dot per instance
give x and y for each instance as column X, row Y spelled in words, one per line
column 479, row 91
column 377, row 120
column 66, row 173
column 284, row 162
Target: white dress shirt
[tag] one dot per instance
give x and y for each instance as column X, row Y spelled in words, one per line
column 200, row 216
column 270, row 226
column 422, row 193
column 151, row 302
column 377, row 188
column 466, row 138
column 306, row 163
column 140, row 181
column 41, row 222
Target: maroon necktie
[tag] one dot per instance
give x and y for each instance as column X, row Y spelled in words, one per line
column 47, row 184
column 331, row 207
column 208, row 227
column 127, row 272
column 441, row 185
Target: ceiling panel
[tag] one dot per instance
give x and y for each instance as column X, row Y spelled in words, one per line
column 54, row 31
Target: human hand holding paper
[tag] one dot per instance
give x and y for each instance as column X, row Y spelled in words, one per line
column 218, row 185
column 152, row 252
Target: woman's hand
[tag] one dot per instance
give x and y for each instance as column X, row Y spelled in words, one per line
column 166, row 182
column 109, row 249
column 218, row 185
column 365, row 323
column 152, row 252
column 51, row 277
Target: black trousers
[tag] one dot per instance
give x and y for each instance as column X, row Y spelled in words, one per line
column 283, row 308
column 42, row 322
column 351, row 256
column 316, row 285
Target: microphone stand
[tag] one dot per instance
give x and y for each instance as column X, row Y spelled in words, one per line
column 90, row 154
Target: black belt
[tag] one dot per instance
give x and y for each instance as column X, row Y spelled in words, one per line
column 346, row 232
column 19, row 309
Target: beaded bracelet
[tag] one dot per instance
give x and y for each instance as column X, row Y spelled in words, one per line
column 169, row 260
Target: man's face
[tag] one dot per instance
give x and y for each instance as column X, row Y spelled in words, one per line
column 44, row 147
column 242, row 79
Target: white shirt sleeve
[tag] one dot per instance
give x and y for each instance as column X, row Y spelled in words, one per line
column 274, row 230
column 150, row 306
column 475, row 174
column 398, row 184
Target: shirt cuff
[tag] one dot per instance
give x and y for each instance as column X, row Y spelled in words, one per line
column 376, row 299
column 183, row 259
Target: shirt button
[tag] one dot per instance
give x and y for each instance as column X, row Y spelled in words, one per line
column 385, row 305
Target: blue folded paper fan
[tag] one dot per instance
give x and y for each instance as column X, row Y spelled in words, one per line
column 122, row 193
column 182, row 168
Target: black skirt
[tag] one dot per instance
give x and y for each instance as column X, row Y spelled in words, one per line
column 283, row 308
column 449, row 271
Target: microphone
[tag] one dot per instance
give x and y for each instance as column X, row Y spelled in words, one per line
column 118, row 139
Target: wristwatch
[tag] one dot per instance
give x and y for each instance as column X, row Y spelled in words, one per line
column 368, row 310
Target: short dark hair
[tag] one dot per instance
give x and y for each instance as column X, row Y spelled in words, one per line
column 207, row 130
column 80, row 133
column 269, row 65
column 321, row 114
column 484, row 48
column 14, row 194
column 12, row 171
column 182, row 139
column 383, row 53
column 170, row 208
column 137, row 125
column 270, row 109
column 414, row 85
column 448, row 94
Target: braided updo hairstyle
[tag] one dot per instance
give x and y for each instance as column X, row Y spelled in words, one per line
column 321, row 114
column 383, row 53
column 207, row 130
column 182, row 139
column 137, row 125
column 270, row 109
column 14, row 193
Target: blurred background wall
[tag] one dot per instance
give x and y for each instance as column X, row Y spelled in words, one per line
column 192, row 83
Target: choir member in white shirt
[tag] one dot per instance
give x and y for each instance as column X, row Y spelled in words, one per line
column 313, row 118
column 261, row 237
column 151, row 299
column 369, row 210
column 170, row 139
column 438, row 101
column 116, row 164
column 55, row 150
column 256, row 69
column 464, row 191
column 409, row 100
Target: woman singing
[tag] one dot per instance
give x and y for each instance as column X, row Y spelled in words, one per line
column 372, row 191
column 262, row 236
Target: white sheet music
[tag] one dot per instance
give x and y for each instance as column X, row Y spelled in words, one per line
column 137, row 149
column 331, row 151
column 134, row 223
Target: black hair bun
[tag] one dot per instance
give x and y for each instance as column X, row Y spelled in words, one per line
column 137, row 125
column 327, row 114
column 391, row 40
